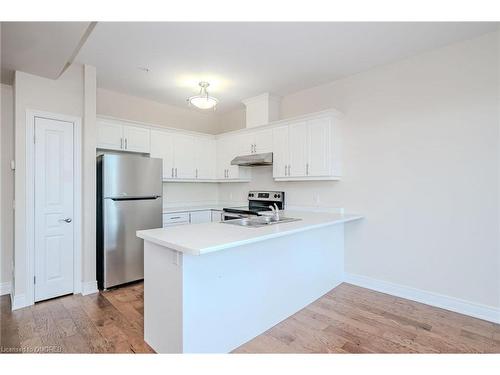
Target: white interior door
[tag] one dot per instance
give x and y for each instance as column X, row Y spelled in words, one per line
column 54, row 189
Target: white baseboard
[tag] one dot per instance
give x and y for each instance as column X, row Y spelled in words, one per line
column 18, row 301
column 5, row 288
column 473, row 309
column 89, row 287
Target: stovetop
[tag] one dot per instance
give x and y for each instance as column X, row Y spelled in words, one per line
column 245, row 210
column 259, row 201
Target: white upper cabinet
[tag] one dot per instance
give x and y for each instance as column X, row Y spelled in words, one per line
column 281, row 151
column 109, row 135
column 162, row 146
column 136, row 139
column 263, row 141
column 307, row 150
column 318, row 148
column 243, row 143
column 297, row 143
column 184, row 156
column 255, row 142
column 205, row 156
column 228, row 147
column 116, row 135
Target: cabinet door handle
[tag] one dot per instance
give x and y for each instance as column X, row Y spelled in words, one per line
column 286, row 167
column 196, row 172
column 121, row 143
column 176, row 172
column 172, row 172
column 307, row 169
column 125, row 143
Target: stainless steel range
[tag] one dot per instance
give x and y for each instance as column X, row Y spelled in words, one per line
column 258, row 201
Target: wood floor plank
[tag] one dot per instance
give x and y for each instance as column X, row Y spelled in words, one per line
column 348, row 319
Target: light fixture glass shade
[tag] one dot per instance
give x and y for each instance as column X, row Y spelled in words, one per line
column 203, row 100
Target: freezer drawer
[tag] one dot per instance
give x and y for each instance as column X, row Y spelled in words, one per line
column 123, row 252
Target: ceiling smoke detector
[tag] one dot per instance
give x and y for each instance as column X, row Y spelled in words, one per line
column 203, row 100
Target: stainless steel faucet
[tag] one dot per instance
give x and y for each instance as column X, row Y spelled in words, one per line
column 275, row 210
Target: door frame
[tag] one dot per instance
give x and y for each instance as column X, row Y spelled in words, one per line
column 30, row 199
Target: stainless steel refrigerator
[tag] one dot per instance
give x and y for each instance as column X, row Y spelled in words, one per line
column 129, row 190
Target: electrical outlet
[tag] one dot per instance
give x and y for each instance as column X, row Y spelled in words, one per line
column 316, row 199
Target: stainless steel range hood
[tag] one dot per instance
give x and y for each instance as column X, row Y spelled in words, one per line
column 253, row 160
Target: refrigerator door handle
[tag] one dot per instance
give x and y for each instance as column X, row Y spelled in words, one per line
column 132, row 198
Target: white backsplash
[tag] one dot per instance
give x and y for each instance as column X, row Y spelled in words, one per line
column 189, row 194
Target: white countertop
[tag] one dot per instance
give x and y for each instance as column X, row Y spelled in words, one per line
column 212, row 237
column 201, row 207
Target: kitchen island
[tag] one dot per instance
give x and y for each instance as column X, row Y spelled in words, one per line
column 211, row 287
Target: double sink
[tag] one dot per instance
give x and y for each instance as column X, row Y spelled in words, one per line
column 260, row 221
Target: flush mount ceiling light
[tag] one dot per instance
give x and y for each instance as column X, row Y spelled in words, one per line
column 203, row 100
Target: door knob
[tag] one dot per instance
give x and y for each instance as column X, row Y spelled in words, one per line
column 67, row 220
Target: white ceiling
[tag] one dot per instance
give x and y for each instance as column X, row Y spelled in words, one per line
column 240, row 60
column 40, row 48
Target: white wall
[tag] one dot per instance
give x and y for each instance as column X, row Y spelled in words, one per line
column 232, row 120
column 182, row 193
column 421, row 161
column 7, row 183
column 128, row 107
column 63, row 96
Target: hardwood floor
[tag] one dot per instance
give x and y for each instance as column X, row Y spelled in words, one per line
column 109, row 322
column 348, row 319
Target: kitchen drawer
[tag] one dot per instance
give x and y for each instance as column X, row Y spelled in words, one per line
column 175, row 219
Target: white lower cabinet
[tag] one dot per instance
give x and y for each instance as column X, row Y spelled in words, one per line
column 197, row 217
column 189, row 217
column 176, row 218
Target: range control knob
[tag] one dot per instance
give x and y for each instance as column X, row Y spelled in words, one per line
column 279, row 195
column 275, row 195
